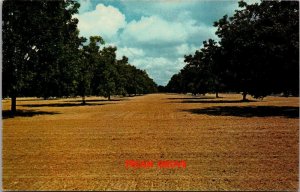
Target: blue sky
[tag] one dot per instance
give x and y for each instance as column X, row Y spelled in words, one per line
column 154, row 34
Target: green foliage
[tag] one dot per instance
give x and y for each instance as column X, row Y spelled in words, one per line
column 44, row 56
column 202, row 72
column 261, row 44
column 88, row 65
column 257, row 54
column 118, row 77
column 108, row 74
column 44, row 37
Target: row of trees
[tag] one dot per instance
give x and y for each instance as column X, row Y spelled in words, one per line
column 102, row 74
column 44, row 56
column 258, row 54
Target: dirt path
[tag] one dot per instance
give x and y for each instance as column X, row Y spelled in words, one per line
column 226, row 144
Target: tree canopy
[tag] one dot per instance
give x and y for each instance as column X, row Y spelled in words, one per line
column 257, row 53
column 44, row 56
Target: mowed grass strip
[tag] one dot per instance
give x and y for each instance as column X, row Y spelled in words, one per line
column 227, row 144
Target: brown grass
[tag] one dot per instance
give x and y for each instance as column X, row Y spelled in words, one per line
column 227, row 144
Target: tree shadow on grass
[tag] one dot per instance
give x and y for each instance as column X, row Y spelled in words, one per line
column 192, row 98
column 95, row 100
column 219, row 101
column 249, row 111
column 25, row 113
column 62, row 104
column 39, row 99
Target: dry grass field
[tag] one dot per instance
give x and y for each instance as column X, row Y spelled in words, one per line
column 227, row 144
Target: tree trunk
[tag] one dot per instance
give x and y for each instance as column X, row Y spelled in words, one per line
column 83, row 100
column 13, row 105
column 217, row 90
column 109, row 97
column 45, row 97
column 244, row 96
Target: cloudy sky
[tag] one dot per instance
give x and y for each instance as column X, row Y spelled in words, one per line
column 154, row 34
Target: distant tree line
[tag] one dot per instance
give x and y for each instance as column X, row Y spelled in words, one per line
column 44, row 56
column 257, row 54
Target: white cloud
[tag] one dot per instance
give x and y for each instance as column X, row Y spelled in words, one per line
column 185, row 49
column 160, row 69
column 105, row 21
column 154, row 30
column 156, row 41
column 130, row 52
column 85, row 5
column 165, row 8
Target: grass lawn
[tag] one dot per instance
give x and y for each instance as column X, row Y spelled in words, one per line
column 226, row 144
